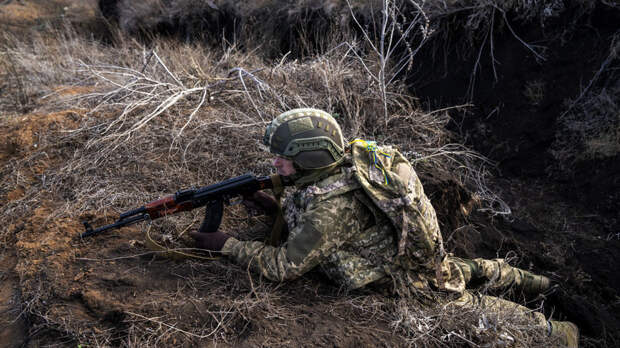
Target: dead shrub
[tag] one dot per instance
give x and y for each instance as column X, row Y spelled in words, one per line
column 451, row 326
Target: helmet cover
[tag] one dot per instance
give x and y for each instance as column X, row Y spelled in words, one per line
column 311, row 138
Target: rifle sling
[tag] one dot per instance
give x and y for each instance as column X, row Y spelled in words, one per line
column 275, row 238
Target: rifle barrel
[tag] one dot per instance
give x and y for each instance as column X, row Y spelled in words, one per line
column 118, row 224
column 136, row 211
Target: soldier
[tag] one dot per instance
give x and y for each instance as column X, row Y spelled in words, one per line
column 338, row 224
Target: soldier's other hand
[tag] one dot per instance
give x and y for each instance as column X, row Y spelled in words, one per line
column 260, row 202
column 210, row 241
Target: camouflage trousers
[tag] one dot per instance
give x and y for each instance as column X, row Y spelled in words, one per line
column 498, row 275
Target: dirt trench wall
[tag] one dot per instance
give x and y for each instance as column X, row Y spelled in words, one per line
column 300, row 28
column 522, row 101
column 552, row 124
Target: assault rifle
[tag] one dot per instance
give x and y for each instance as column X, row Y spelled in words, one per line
column 213, row 197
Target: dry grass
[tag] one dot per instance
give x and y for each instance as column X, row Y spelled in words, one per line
column 447, row 326
column 305, row 28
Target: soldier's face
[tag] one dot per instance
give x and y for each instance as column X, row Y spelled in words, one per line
column 284, row 166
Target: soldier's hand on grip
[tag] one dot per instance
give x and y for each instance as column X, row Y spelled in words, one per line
column 210, row 241
column 260, row 202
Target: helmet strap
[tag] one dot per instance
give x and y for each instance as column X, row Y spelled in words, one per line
column 304, row 177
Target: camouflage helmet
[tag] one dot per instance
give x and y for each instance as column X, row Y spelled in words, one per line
column 311, row 138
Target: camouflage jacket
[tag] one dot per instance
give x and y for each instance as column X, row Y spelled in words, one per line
column 332, row 225
column 335, row 226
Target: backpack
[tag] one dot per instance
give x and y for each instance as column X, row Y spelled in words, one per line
column 392, row 184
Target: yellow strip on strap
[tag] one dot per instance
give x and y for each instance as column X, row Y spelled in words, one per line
column 371, row 147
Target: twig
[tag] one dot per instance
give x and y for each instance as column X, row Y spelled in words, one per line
column 529, row 47
column 168, row 71
column 241, row 72
column 614, row 51
column 172, row 327
column 191, row 116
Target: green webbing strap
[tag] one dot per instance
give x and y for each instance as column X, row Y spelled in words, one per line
column 277, row 231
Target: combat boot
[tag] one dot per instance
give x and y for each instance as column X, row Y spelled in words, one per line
column 564, row 333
